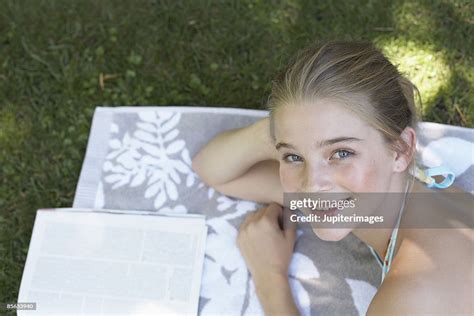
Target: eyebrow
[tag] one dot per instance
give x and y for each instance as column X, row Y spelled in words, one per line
column 323, row 143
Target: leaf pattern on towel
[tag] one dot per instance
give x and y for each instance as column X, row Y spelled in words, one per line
column 225, row 276
column 153, row 156
column 346, row 290
column 358, row 287
column 148, row 158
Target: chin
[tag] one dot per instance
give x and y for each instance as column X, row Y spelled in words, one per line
column 331, row 234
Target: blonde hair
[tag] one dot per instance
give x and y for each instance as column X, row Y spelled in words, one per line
column 357, row 74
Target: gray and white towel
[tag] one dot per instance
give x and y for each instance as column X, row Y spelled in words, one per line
column 139, row 158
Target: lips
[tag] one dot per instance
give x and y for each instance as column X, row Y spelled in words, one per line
column 329, row 212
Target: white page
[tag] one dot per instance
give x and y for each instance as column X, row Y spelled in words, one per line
column 86, row 262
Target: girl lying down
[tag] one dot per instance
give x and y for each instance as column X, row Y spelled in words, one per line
column 343, row 120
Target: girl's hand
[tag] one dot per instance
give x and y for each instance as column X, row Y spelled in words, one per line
column 267, row 249
column 265, row 246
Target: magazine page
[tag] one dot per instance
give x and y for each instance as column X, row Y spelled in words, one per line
column 89, row 262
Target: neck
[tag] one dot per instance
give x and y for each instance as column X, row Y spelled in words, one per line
column 378, row 238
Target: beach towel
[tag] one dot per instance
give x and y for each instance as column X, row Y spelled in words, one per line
column 139, row 158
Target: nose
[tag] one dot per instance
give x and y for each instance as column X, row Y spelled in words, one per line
column 316, row 178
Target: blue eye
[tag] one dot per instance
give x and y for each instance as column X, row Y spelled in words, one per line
column 342, row 154
column 291, row 160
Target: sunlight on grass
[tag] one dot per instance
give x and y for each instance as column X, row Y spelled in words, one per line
column 415, row 18
column 424, row 66
column 12, row 130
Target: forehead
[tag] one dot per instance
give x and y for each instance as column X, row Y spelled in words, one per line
column 320, row 119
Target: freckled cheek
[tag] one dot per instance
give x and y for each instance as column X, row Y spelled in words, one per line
column 358, row 177
column 289, row 179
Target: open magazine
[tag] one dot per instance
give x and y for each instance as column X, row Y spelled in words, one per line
column 93, row 262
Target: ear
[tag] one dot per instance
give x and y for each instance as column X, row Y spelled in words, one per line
column 405, row 151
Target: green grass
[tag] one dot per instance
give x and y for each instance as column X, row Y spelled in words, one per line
column 219, row 53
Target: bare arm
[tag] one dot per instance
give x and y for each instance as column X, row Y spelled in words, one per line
column 242, row 163
column 231, row 153
column 261, row 183
column 276, row 297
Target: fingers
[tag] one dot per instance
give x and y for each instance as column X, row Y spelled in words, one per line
column 272, row 216
column 273, row 212
column 249, row 218
column 243, row 227
column 256, row 217
column 289, row 227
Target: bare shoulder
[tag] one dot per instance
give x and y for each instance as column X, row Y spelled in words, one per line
column 421, row 296
column 431, row 273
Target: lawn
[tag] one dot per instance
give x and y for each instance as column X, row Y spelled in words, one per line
column 59, row 59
